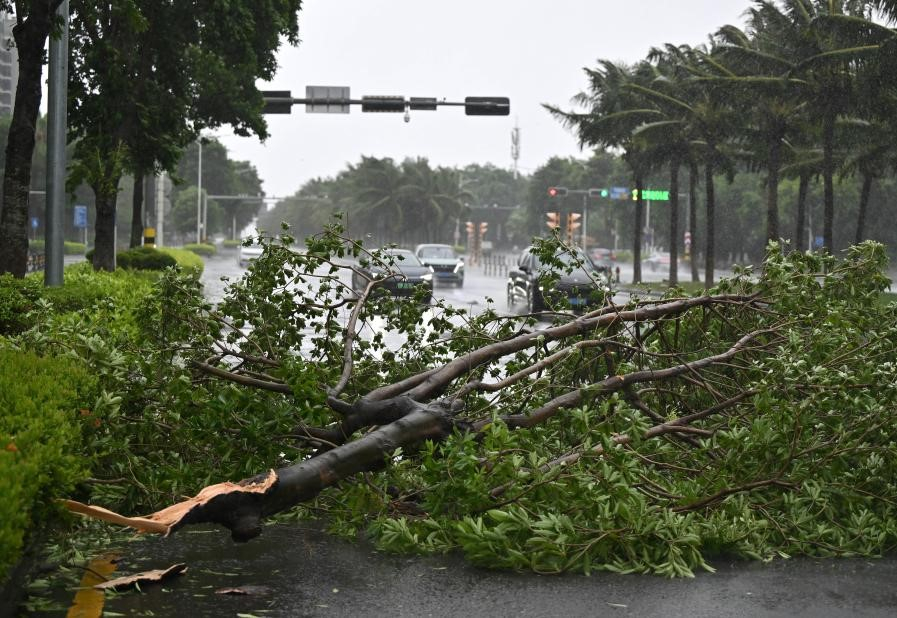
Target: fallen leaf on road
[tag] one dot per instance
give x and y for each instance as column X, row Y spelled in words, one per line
column 147, row 577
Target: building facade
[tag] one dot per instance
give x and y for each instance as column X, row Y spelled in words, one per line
column 9, row 64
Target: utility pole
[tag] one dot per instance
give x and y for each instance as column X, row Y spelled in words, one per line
column 199, row 192
column 515, row 146
column 56, row 129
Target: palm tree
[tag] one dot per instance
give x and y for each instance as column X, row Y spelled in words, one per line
column 755, row 66
column 704, row 121
column 614, row 113
column 377, row 188
column 825, row 69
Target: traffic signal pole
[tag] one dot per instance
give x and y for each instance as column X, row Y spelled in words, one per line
column 336, row 99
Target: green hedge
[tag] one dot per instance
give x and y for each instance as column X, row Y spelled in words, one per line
column 17, row 298
column 43, row 410
column 145, row 258
column 82, row 289
column 231, row 244
column 74, row 248
column 203, row 249
column 69, row 248
column 187, row 260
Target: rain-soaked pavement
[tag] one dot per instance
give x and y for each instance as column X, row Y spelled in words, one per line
column 294, row 569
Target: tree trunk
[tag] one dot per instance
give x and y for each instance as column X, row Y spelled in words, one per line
column 637, row 235
column 828, row 173
column 772, row 190
column 864, row 205
column 137, row 212
column 693, row 219
column 104, row 230
column 801, row 222
column 30, row 36
column 674, row 221
column 709, row 257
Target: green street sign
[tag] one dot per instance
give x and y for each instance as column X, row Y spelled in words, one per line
column 652, row 195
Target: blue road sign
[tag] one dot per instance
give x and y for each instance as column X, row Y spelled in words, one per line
column 619, row 193
column 35, row 222
column 80, row 217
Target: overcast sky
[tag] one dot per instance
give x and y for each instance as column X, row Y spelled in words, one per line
column 530, row 51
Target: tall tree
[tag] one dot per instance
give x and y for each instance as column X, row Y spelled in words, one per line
column 148, row 76
column 613, row 114
column 34, row 21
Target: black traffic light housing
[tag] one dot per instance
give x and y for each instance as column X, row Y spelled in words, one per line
column 557, row 191
column 487, row 106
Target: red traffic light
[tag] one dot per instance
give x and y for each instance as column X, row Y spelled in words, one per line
column 557, row 191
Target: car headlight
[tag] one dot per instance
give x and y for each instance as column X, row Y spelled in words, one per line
column 427, row 277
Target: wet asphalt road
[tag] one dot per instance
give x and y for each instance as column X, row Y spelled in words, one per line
column 297, row 570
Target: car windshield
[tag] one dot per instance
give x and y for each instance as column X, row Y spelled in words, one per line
column 437, row 252
column 404, row 258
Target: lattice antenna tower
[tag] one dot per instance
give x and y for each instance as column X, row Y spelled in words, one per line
column 515, row 146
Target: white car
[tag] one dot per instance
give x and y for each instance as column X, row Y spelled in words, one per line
column 247, row 254
column 447, row 266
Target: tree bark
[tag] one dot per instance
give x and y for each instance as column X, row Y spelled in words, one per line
column 801, row 222
column 104, row 229
column 710, row 257
column 137, row 212
column 693, row 219
column 772, row 190
column 637, row 235
column 31, row 36
column 828, row 173
column 674, row 221
column 864, row 206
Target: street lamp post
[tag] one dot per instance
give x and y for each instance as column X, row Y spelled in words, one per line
column 199, row 193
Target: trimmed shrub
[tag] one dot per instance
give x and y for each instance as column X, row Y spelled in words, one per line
column 43, row 406
column 17, row 298
column 74, row 248
column 203, row 249
column 145, row 258
column 187, row 260
column 36, row 245
column 230, row 244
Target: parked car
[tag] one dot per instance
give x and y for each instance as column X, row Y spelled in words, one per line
column 402, row 278
column 586, row 285
column 247, row 253
column 448, row 266
column 657, row 261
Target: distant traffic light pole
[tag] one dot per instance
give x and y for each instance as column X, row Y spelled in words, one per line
column 585, row 193
column 336, row 100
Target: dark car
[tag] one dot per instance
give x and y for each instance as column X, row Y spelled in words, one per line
column 541, row 287
column 447, row 266
column 402, row 278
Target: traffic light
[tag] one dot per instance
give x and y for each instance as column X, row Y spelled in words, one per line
column 554, row 220
column 573, row 222
column 470, row 227
column 557, row 191
column 383, row 104
column 277, row 101
column 635, row 195
column 599, row 193
column 483, row 227
column 487, row 106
